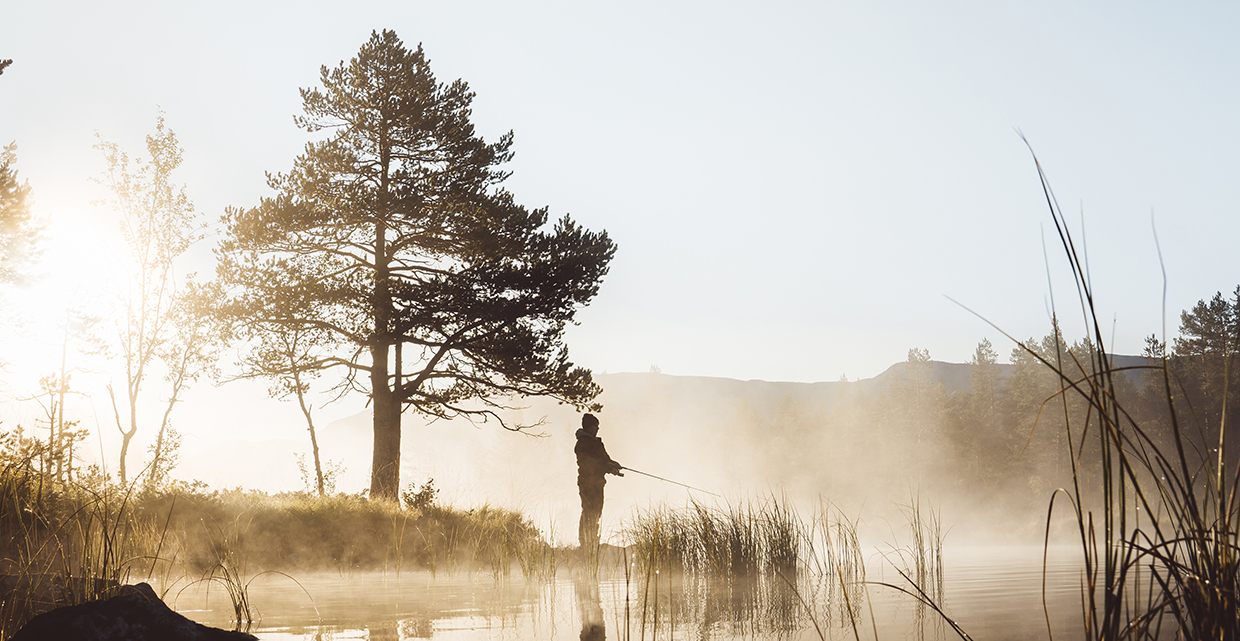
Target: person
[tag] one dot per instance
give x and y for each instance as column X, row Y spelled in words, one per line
column 593, row 464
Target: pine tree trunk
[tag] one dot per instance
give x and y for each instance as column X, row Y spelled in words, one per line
column 385, row 465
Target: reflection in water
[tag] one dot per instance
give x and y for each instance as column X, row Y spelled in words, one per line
column 704, row 608
column 996, row 597
column 590, row 606
column 416, row 629
column 385, row 631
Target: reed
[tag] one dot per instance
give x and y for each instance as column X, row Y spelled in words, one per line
column 755, row 539
column 64, row 542
column 835, row 553
column 920, row 562
column 228, row 570
column 1156, row 504
column 755, row 566
column 538, row 559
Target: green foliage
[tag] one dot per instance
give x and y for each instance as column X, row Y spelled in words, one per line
column 392, row 245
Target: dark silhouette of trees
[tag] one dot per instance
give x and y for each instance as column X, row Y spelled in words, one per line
column 393, row 237
column 924, row 400
column 1202, row 367
column 1205, row 362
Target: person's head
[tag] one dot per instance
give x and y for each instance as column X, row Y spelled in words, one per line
column 590, row 424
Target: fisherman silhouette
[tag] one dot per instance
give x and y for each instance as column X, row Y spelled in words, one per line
column 593, row 464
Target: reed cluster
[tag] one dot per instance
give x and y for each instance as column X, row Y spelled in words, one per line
column 753, row 539
column 715, row 566
column 1156, row 511
column 757, row 567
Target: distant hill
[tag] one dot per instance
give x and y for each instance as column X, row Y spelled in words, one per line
column 955, row 376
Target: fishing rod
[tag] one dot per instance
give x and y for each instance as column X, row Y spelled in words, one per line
column 695, row 489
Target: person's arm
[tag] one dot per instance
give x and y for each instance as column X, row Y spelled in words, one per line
column 609, row 465
column 613, row 467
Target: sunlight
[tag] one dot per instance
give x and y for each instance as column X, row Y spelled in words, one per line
column 76, row 279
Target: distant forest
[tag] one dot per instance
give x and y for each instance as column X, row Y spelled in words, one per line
column 997, row 441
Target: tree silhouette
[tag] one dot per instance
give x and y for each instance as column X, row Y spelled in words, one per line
column 392, row 235
column 1204, row 370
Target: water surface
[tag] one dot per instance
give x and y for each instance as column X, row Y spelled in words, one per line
column 993, row 593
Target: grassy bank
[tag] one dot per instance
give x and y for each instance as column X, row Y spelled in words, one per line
column 66, row 543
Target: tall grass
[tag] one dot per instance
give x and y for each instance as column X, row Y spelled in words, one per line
column 1162, row 511
column 62, row 543
column 300, row 532
column 751, row 540
column 227, row 548
column 750, row 568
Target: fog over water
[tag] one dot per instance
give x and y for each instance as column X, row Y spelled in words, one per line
column 744, row 440
column 995, row 593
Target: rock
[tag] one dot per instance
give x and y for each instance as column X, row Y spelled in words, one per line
column 135, row 614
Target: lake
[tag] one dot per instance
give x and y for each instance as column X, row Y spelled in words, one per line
column 994, row 593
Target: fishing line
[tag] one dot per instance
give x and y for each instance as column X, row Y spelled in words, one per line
column 695, row 489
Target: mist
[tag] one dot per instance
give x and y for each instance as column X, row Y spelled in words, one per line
column 868, row 447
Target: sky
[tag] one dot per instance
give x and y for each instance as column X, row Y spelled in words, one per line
column 796, row 188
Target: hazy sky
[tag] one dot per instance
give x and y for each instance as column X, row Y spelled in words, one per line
column 793, row 186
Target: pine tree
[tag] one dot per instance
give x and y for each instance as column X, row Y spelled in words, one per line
column 393, row 237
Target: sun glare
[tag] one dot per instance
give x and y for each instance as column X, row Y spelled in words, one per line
column 68, row 299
